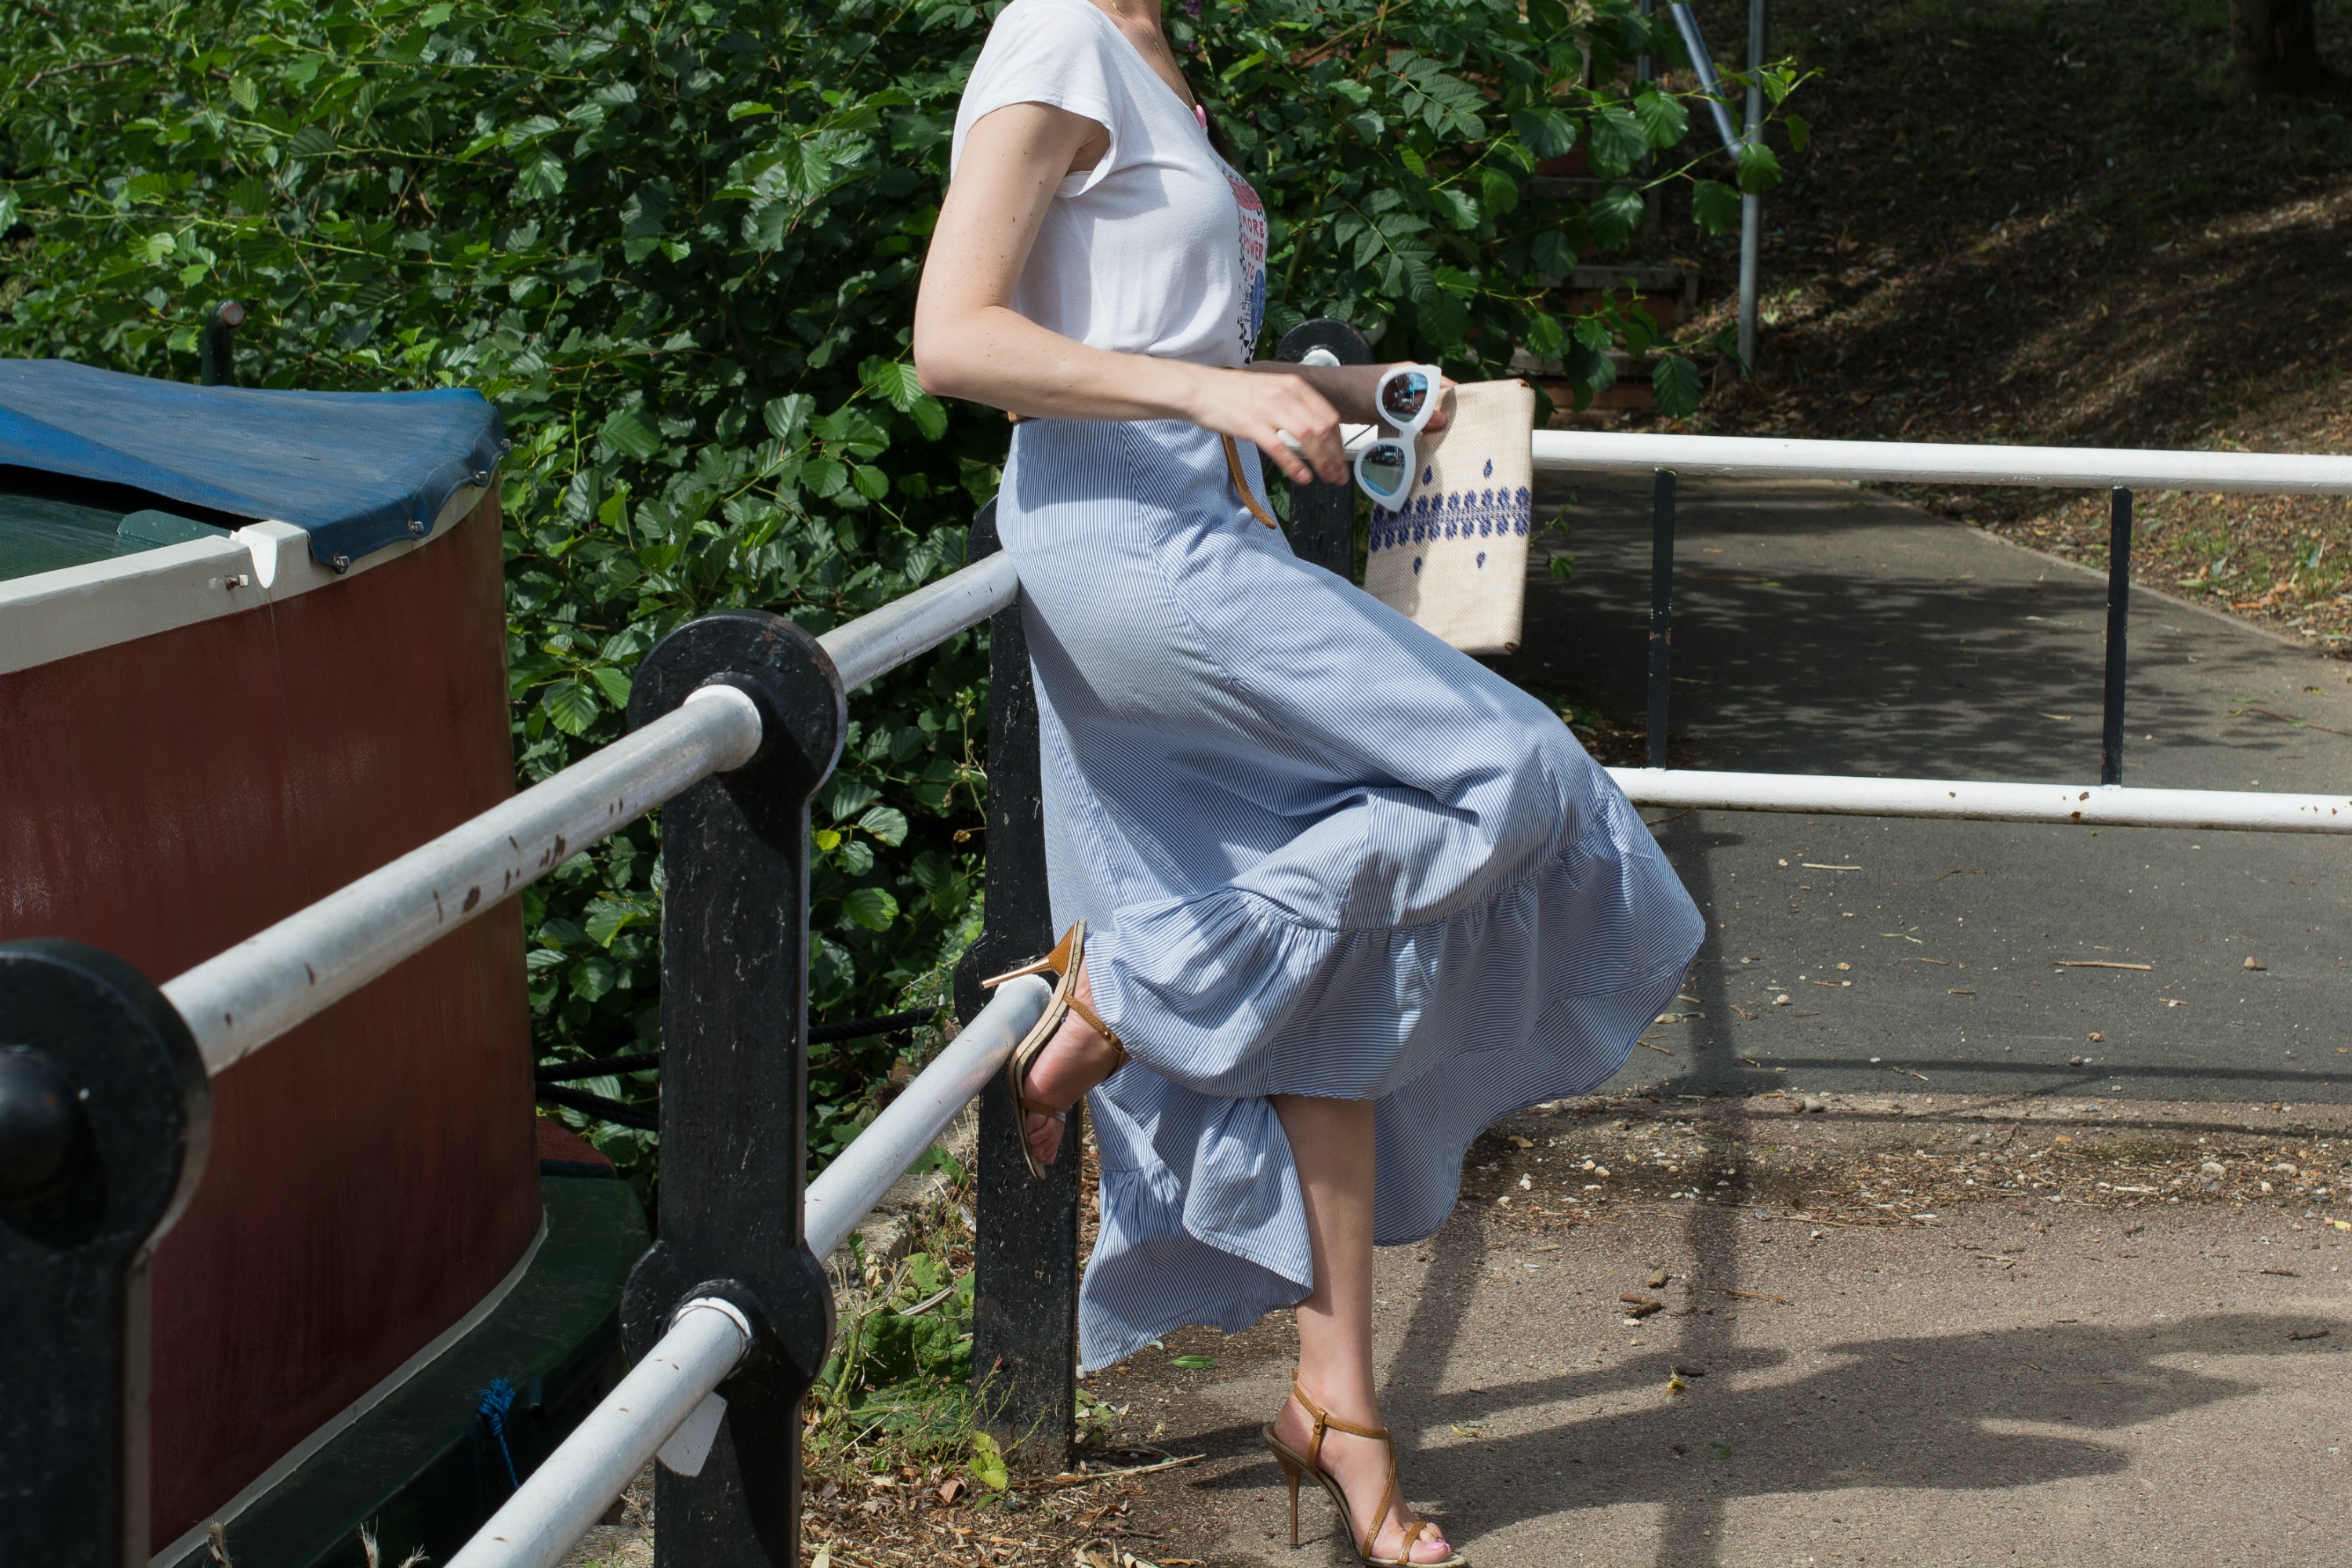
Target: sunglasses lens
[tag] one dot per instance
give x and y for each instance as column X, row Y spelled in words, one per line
column 1403, row 396
column 1386, row 470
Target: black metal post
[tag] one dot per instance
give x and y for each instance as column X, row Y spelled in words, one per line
column 104, row 1116
column 216, row 349
column 734, row 1109
column 2111, row 731
column 1662, row 607
column 1025, row 1319
column 1323, row 517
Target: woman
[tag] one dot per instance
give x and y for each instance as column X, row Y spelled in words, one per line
column 1347, row 896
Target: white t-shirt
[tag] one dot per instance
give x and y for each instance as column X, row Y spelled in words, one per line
column 1160, row 249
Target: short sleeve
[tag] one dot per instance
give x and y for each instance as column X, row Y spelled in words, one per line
column 1055, row 52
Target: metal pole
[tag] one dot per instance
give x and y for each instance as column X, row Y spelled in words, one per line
column 559, row 1501
column 859, row 1175
column 2251, row 811
column 240, row 1000
column 1024, row 1318
column 734, row 1016
column 2067, row 468
column 1751, row 206
column 104, row 1114
column 1323, row 517
column 2111, row 733
column 217, row 347
column 1662, row 607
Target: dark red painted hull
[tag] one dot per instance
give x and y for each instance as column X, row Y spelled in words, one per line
column 374, row 1174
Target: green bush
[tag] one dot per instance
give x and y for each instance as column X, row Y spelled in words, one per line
column 676, row 245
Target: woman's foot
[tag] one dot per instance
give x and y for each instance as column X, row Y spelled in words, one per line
column 1361, row 1466
column 1076, row 1060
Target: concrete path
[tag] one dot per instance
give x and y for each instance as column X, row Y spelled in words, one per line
column 1821, row 628
column 2037, row 1378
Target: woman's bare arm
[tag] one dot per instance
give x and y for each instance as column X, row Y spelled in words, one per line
column 970, row 343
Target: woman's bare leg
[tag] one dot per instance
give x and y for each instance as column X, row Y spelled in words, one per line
column 1331, row 1146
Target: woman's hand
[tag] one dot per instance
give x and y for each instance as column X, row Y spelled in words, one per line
column 1267, row 406
column 1351, row 388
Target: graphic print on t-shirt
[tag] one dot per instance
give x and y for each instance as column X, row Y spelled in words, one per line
column 1253, row 258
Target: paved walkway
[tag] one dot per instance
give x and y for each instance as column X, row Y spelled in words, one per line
column 2017, row 1382
column 1821, row 628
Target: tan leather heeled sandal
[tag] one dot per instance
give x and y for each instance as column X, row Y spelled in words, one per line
column 1063, row 964
column 1295, row 1464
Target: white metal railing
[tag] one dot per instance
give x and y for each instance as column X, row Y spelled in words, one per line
column 242, row 999
column 1927, row 462
column 2087, row 805
column 575, row 1484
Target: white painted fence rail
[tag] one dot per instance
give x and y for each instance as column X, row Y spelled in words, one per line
column 2087, row 805
column 847, row 1191
column 240, row 1000
column 1928, row 462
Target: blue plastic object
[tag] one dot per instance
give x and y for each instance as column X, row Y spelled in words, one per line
column 356, row 470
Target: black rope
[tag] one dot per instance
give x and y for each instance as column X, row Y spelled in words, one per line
column 597, row 1067
column 858, row 1028
column 644, row 1118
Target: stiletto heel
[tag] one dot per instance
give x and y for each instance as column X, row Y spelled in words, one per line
column 1293, row 1462
column 1290, row 1474
column 1063, row 963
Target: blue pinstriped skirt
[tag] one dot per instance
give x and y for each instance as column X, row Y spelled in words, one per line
column 1318, row 852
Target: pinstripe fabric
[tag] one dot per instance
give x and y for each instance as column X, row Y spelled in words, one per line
column 1318, row 852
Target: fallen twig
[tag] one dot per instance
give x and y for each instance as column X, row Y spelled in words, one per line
column 1753, row 1296
column 1067, row 1479
column 2096, row 963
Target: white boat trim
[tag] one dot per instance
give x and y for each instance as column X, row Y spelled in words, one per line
column 51, row 615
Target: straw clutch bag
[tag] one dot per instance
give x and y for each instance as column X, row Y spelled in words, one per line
column 1453, row 557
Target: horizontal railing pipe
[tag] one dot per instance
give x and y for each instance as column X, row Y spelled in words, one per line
column 2088, row 806
column 1925, row 462
column 875, row 644
column 575, row 1484
column 847, row 1190
column 242, row 999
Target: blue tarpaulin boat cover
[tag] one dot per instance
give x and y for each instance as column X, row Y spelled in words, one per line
column 358, row 470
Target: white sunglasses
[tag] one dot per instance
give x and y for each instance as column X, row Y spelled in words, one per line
column 1406, row 398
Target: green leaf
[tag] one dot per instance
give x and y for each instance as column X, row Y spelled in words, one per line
column 1613, row 218
column 628, row 431
column 1800, row 131
column 886, row 823
column 1664, row 120
column 987, row 1465
column 1674, row 387
column 612, row 683
column 1615, row 141
column 872, row 907
column 1193, row 1363
column 1716, row 206
column 1760, row 171
column 787, row 415
column 571, row 706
